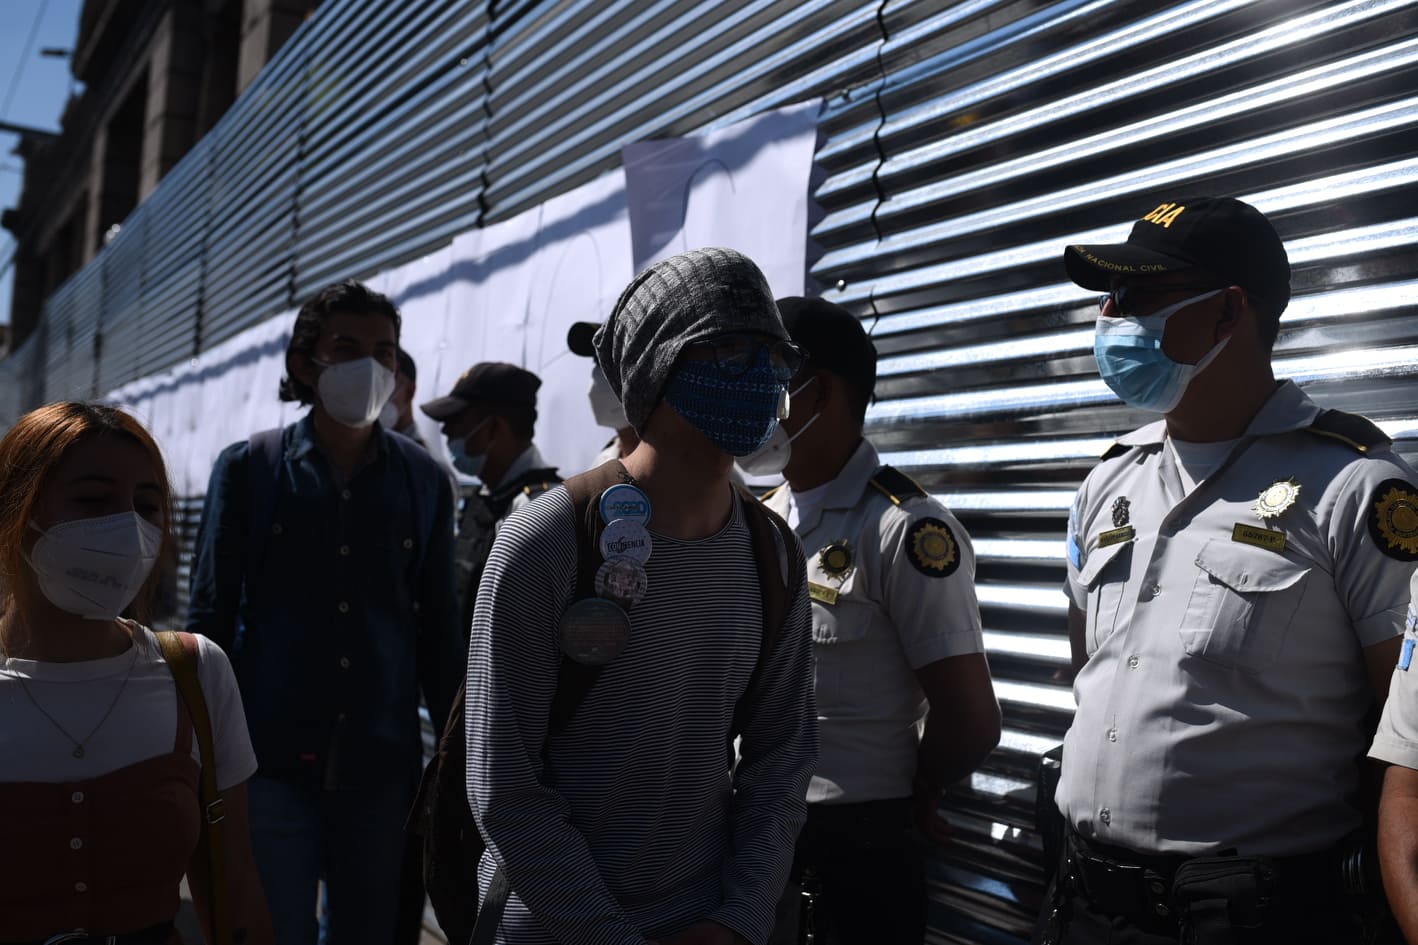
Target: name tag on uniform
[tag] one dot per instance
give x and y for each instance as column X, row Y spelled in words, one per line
column 1116, row 536
column 822, row 593
column 1266, row 538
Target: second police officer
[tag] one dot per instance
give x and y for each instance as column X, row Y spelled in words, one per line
column 1238, row 574
column 896, row 631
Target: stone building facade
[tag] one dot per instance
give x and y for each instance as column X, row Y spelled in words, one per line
column 157, row 75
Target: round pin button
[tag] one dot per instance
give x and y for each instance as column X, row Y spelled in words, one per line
column 593, row 631
column 621, row 580
column 623, row 538
column 625, row 501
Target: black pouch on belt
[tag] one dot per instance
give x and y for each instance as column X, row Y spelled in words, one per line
column 1215, row 895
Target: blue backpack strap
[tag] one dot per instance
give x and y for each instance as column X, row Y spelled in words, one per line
column 265, row 451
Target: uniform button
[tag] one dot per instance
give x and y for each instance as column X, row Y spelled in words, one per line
column 81, row 887
column 344, row 662
column 1244, row 579
column 1112, row 734
column 276, row 528
column 1132, row 662
column 408, row 543
column 344, row 608
column 1157, row 889
column 76, row 844
column 77, row 797
column 344, row 551
column 345, row 494
column 1155, row 589
column 1106, row 816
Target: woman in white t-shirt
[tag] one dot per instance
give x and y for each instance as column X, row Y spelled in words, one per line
column 99, row 765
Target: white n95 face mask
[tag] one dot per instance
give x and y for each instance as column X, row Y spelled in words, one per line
column 94, row 567
column 354, row 392
column 604, row 405
column 772, row 457
column 389, row 415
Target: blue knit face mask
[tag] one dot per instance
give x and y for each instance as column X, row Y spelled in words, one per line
column 736, row 409
column 1132, row 362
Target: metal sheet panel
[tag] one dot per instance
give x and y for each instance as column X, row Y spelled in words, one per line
column 1004, row 131
column 964, row 144
column 394, row 138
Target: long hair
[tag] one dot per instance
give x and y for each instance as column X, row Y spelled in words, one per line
column 28, row 454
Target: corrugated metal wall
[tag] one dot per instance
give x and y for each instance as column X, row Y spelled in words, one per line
column 963, row 145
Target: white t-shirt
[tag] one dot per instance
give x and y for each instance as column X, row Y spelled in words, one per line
column 1197, row 461
column 142, row 725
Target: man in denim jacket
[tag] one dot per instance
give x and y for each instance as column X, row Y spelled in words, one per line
column 324, row 567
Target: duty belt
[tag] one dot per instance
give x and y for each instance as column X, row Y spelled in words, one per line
column 1142, row 888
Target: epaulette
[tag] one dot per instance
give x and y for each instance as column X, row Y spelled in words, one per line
column 771, row 492
column 1354, row 431
column 896, row 485
column 536, row 488
column 1117, row 449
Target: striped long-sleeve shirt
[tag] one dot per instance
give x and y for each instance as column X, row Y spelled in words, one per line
column 631, row 826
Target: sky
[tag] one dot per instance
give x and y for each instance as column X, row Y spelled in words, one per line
column 33, row 90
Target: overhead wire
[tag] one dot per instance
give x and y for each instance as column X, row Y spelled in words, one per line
column 23, row 60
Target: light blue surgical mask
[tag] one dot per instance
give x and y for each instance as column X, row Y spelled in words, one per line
column 469, row 464
column 1133, row 364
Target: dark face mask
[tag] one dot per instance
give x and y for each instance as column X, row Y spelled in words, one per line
column 737, row 410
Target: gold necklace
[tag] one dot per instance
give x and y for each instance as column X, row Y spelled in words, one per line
column 79, row 744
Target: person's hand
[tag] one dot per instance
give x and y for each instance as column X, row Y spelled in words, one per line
column 706, row 933
column 928, row 819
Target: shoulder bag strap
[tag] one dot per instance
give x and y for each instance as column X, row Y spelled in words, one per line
column 180, row 652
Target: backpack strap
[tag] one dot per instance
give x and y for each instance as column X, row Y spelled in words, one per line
column 180, row 652
column 773, row 545
column 574, row 680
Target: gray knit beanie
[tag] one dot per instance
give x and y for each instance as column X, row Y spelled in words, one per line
column 683, row 299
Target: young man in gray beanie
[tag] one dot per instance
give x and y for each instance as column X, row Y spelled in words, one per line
column 627, row 825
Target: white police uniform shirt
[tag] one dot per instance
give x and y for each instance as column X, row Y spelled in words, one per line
column 1224, row 697
column 893, row 589
column 1397, row 738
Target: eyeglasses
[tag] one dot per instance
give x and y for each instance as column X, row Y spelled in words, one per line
column 1128, row 299
column 735, row 354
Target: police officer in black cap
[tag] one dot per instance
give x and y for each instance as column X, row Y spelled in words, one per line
column 896, row 640
column 1238, row 574
column 489, row 419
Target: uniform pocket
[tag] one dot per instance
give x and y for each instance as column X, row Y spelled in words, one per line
column 1105, row 575
column 844, row 621
column 1241, row 605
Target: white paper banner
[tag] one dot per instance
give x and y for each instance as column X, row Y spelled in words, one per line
column 744, row 187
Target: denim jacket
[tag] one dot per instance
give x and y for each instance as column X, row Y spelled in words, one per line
column 335, row 621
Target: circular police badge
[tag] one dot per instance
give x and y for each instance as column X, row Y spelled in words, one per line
column 1278, row 497
column 1393, row 519
column 932, row 548
column 836, row 559
column 593, row 631
column 623, row 538
column 625, row 501
column 621, row 580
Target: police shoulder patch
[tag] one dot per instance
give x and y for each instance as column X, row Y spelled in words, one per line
column 932, row 548
column 1393, row 519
